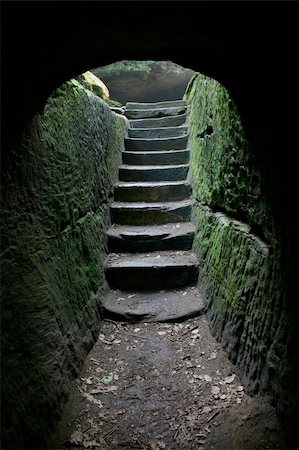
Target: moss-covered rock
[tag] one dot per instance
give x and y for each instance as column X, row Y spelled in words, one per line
column 55, row 212
column 95, row 85
column 244, row 273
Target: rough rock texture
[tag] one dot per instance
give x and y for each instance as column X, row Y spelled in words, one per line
column 55, row 215
column 243, row 270
column 95, row 85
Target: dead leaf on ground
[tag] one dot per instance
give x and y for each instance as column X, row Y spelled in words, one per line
column 76, row 437
column 91, row 399
column 87, row 380
column 215, row 390
column 230, row 378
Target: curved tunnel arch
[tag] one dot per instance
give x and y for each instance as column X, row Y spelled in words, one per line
column 243, row 48
column 239, row 45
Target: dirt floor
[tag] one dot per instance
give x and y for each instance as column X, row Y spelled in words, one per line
column 163, row 386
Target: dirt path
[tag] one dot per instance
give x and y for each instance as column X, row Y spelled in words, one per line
column 163, row 386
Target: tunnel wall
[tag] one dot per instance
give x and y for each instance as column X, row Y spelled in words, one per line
column 55, row 211
column 240, row 244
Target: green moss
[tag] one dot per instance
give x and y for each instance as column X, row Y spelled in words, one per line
column 55, row 201
column 223, row 169
column 121, row 67
column 242, row 274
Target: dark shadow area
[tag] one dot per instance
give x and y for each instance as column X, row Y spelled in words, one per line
column 250, row 48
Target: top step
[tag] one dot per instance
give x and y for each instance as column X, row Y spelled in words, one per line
column 158, row 105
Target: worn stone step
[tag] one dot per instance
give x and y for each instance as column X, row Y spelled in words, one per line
column 153, row 173
column 158, row 112
column 135, row 213
column 157, row 191
column 153, row 306
column 138, row 239
column 167, row 157
column 151, row 271
column 161, row 144
column 171, row 121
column 153, row 133
column 156, row 105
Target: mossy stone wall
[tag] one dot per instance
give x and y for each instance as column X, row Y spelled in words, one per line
column 243, row 274
column 55, row 212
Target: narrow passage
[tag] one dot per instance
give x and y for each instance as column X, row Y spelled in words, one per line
column 156, row 378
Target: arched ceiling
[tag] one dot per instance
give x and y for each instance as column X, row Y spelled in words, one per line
column 250, row 47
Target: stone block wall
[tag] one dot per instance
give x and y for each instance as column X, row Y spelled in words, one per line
column 56, row 190
column 244, row 271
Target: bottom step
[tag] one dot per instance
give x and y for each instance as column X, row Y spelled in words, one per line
column 155, row 306
column 157, row 270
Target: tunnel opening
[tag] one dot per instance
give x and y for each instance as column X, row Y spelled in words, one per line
column 84, row 220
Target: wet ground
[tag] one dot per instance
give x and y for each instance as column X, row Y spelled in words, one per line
column 163, row 386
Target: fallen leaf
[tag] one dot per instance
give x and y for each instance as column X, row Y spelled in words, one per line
column 136, row 330
column 207, row 378
column 215, row 390
column 131, row 295
column 87, row 380
column 93, row 400
column 107, row 378
column 213, row 355
column 230, row 379
column 76, row 437
column 116, row 341
column 206, row 409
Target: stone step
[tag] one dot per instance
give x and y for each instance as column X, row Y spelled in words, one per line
column 162, row 144
column 160, row 158
column 173, row 236
column 159, row 112
column 135, row 213
column 153, row 133
column 158, row 191
column 151, row 271
column 153, row 306
column 153, row 173
column 171, row 121
column 156, row 105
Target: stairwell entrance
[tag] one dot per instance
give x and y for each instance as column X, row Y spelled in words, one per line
column 151, row 238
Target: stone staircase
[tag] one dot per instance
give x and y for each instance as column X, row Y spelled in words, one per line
column 151, row 268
